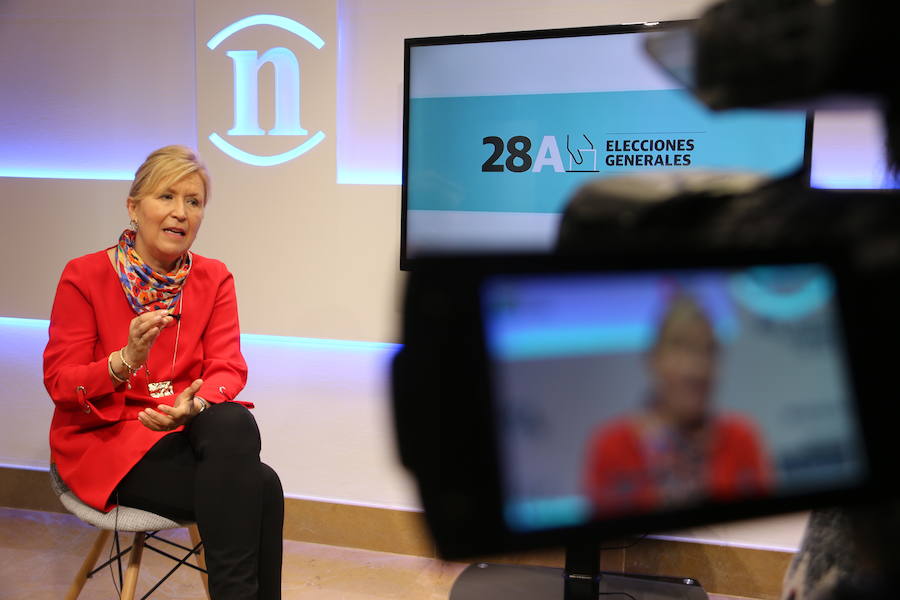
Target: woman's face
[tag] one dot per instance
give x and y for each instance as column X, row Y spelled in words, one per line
column 684, row 369
column 167, row 221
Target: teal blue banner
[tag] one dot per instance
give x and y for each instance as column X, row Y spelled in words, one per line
column 528, row 153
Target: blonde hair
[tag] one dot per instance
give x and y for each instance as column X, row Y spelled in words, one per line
column 682, row 308
column 166, row 166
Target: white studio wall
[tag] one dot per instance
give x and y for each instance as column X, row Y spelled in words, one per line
column 313, row 242
column 89, row 86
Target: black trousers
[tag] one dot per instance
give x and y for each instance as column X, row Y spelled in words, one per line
column 211, row 473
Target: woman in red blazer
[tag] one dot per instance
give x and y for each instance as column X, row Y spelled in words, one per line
column 144, row 366
column 680, row 450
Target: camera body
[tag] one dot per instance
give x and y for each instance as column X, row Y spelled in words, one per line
column 473, row 416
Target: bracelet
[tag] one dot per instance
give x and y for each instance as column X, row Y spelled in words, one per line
column 132, row 370
column 203, row 404
column 112, row 372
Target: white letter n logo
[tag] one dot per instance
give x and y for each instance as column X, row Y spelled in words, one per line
column 246, row 92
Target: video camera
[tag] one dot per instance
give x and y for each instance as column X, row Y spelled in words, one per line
column 535, row 395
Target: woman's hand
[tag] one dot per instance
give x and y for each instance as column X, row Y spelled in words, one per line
column 142, row 332
column 170, row 417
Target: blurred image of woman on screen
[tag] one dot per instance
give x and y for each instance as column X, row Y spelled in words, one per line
column 144, row 367
column 679, row 450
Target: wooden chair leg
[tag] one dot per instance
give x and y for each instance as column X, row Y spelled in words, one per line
column 88, row 565
column 134, row 566
column 201, row 557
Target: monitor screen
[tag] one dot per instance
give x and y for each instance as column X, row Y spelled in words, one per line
column 630, row 394
column 499, row 130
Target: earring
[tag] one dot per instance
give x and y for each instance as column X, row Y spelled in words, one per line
column 132, row 225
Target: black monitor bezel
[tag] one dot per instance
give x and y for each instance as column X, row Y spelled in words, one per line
column 408, row 263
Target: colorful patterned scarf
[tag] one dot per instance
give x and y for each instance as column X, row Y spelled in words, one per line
column 145, row 289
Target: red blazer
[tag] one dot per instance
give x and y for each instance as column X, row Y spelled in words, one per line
column 618, row 478
column 95, row 437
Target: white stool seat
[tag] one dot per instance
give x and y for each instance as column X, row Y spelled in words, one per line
column 122, row 518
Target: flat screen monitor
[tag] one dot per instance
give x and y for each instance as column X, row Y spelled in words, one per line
column 500, row 129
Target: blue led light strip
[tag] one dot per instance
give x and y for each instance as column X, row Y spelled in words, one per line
column 315, row 343
column 27, row 173
column 358, row 177
column 25, row 323
column 246, row 338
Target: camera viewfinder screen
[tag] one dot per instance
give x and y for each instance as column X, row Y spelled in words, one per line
column 628, row 394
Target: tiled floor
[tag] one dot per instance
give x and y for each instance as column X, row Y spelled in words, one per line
column 40, row 552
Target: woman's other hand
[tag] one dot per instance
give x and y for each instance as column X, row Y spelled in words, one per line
column 170, row 417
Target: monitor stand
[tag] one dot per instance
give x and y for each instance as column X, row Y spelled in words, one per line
column 580, row 580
